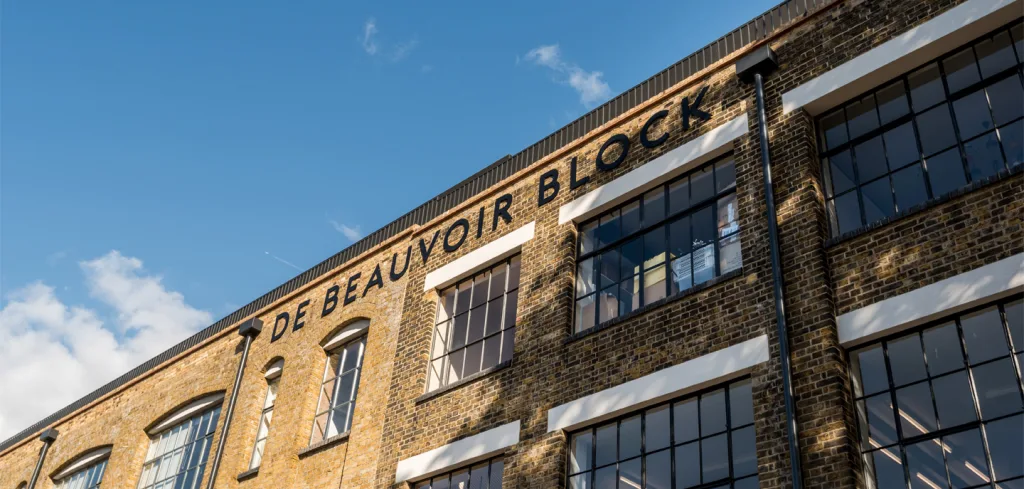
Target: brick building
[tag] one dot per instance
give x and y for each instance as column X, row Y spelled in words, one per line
column 605, row 308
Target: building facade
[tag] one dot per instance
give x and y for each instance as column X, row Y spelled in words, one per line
column 646, row 298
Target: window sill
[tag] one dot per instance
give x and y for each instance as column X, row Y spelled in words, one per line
column 927, row 205
column 468, row 380
column 248, row 474
column 654, row 305
column 316, row 447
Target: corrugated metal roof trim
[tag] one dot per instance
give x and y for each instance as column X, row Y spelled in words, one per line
column 759, row 28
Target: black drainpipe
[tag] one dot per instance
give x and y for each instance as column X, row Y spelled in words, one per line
column 250, row 330
column 751, row 69
column 47, row 437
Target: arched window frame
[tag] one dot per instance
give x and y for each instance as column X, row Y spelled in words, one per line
column 345, row 349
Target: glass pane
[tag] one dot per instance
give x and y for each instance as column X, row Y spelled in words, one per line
column 984, row 335
column 1012, row 137
column 729, row 255
column 478, row 477
column 588, row 237
column 630, row 474
column 936, row 130
column 477, row 318
column 953, row 400
column 1004, row 444
column 480, row 290
column 492, row 351
column 440, row 483
column 494, row 312
column 497, row 470
column 833, row 127
column 585, row 279
column 654, row 247
column 608, row 229
column 474, row 353
column 631, row 256
column 870, row 157
column 946, row 172
column 460, row 480
column 703, row 264
column 925, row 463
column 463, row 296
column 609, row 268
column 511, row 309
column 654, row 206
column 861, row 116
column 608, row 304
column 586, row 313
column 679, row 237
column 659, row 470
column 887, row 468
column 878, row 203
column 714, row 461
column 847, row 212
column 972, row 115
column 869, row 371
column 703, row 227
column 984, row 158
column 728, row 215
column 446, row 305
column 581, row 481
column 965, row 458
column 436, row 375
column 900, row 146
column 458, row 338
column 682, row 277
column 508, row 338
column 917, row 415
column 744, row 452
column 684, row 420
column 655, row 287
column 657, row 432
column 942, row 348
column 679, row 196
column 605, row 478
column 741, row 404
column 712, row 412
column 606, row 441
column 439, row 346
column 455, row 366
column 725, row 175
column 926, row 87
column 702, row 185
column 1015, row 320
column 998, row 390
column 996, row 54
column 841, row 171
column 631, row 218
column 497, row 281
column 1007, row 99
column 629, row 438
column 961, row 70
column 878, row 428
column 688, row 465
column 909, row 186
column 906, row 360
column 580, row 454
column 629, row 295
column 892, row 102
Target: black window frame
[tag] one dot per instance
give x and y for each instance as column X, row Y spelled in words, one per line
column 665, row 222
column 491, row 462
column 1015, row 356
column 673, row 445
column 1014, row 32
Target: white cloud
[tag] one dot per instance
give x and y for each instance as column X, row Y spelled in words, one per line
column 369, row 30
column 352, row 233
column 403, row 49
column 588, row 84
column 51, row 354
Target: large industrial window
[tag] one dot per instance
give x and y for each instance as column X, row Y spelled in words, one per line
column 177, row 456
column 87, row 478
column 484, row 475
column 705, row 440
column 338, row 391
column 952, row 122
column 673, row 237
column 476, row 324
column 942, row 406
column 266, row 416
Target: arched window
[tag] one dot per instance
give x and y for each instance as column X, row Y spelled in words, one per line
column 341, row 381
column 180, row 444
column 84, row 471
column 273, row 375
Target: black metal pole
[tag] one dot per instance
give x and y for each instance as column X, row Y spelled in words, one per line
column 47, row 437
column 249, row 329
column 780, row 306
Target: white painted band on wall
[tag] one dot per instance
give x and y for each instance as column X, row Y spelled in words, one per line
column 85, row 461
column 927, row 41
column 689, row 376
column 933, row 301
column 457, row 454
column 347, row 332
column 480, row 258
column 186, row 412
column 700, row 150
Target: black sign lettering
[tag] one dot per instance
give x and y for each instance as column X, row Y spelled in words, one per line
column 548, row 181
column 299, row 314
column 645, row 138
column 622, row 141
column 352, row 286
column 459, row 223
column 501, row 205
column 282, row 321
column 330, row 300
column 375, row 279
column 575, row 183
column 425, row 250
column 694, row 110
column 394, row 260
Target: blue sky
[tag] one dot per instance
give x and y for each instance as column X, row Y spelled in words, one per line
column 219, row 147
